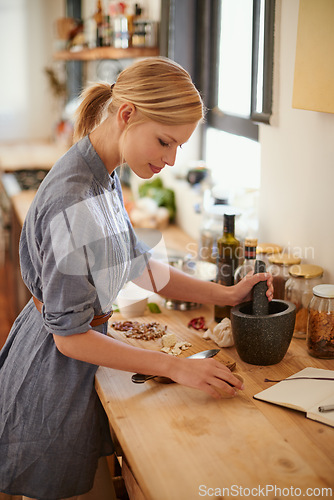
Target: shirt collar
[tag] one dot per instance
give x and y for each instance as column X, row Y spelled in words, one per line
column 95, row 163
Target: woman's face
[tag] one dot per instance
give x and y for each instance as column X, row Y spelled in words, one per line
column 149, row 146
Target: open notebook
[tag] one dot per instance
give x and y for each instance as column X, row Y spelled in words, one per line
column 305, row 394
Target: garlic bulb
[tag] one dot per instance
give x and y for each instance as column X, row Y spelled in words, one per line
column 221, row 334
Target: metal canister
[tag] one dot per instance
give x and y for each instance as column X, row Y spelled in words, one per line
column 299, row 291
column 320, row 323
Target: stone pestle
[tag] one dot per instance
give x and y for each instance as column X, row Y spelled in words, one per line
column 260, row 306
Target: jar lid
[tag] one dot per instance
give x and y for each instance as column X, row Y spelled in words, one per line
column 284, row 259
column 250, row 242
column 268, row 248
column 326, row 291
column 306, row 271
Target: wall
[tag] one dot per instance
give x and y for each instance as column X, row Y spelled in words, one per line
column 27, row 108
column 297, row 165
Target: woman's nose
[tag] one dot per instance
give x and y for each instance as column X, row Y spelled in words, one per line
column 169, row 156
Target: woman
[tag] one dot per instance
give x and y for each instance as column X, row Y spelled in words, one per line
column 77, row 251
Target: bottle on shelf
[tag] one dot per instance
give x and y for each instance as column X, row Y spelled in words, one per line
column 249, row 260
column 120, row 27
column 107, row 32
column 90, row 32
column 99, row 19
column 228, row 248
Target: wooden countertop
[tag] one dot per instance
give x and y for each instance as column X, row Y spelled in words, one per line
column 21, row 203
column 175, row 238
column 25, row 155
column 177, row 440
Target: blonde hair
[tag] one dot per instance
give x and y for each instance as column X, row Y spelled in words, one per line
column 158, row 87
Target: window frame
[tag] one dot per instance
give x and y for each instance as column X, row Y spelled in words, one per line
column 190, row 35
column 268, row 60
column 243, row 126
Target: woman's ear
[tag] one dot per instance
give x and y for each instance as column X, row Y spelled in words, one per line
column 124, row 114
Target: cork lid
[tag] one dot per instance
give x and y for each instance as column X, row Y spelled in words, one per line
column 268, row 248
column 326, row 291
column 250, row 242
column 306, row 271
column 284, row 259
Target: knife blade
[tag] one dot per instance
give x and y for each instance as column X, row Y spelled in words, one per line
column 139, row 378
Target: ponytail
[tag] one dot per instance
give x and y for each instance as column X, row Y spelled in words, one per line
column 158, row 87
column 90, row 112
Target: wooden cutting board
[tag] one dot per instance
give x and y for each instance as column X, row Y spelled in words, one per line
column 177, row 323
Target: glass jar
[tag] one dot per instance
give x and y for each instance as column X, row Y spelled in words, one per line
column 320, row 323
column 279, row 267
column 299, row 291
column 211, row 230
column 265, row 250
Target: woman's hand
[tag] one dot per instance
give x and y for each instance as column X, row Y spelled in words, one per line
column 242, row 291
column 208, row 375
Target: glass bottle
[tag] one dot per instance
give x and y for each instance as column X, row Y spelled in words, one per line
column 299, row 291
column 228, row 248
column 249, row 261
column 320, row 322
column 210, row 231
column 279, row 267
column 98, row 16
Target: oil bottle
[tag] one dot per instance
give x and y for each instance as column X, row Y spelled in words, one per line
column 228, row 248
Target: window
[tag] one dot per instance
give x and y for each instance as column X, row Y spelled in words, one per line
column 238, row 88
column 227, row 46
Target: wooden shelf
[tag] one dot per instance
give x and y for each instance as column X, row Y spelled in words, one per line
column 106, row 53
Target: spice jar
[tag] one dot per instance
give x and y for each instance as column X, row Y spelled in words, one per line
column 320, row 323
column 279, row 268
column 299, row 291
column 265, row 250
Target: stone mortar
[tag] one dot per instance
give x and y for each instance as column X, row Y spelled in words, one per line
column 263, row 340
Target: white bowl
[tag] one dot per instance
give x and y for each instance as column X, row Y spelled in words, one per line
column 132, row 300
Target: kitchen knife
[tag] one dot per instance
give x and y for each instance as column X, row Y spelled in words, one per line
column 139, row 378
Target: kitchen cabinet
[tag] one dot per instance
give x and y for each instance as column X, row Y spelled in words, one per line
column 31, row 159
column 20, row 206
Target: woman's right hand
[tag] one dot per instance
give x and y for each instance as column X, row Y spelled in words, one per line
column 208, row 375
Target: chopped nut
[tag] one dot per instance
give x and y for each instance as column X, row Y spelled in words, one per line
column 143, row 331
column 176, row 348
column 169, row 340
column 165, row 349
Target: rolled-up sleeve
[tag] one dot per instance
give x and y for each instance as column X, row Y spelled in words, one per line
column 68, row 292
